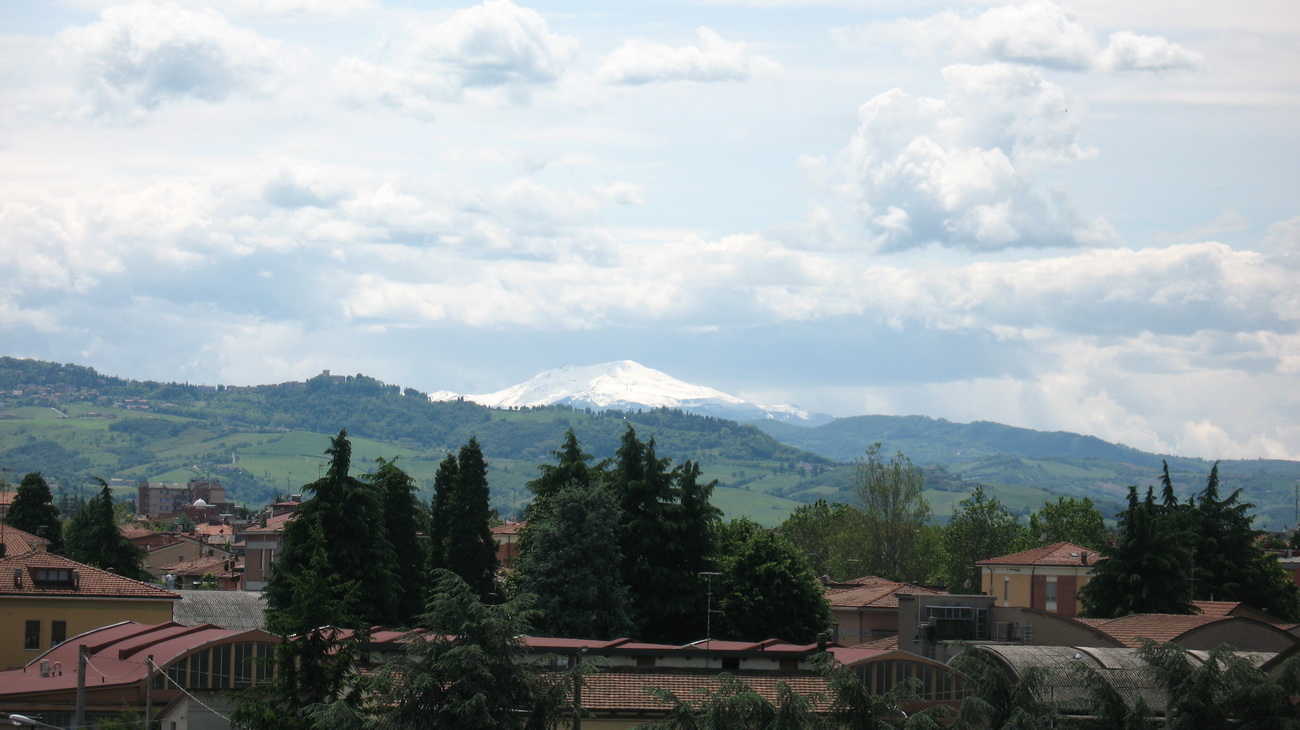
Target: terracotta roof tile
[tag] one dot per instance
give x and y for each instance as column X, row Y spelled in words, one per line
column 1129, row 630
column 1059, row 553
column 629, row 690
column 871, row 592
column 92, row 582
column 16, row 541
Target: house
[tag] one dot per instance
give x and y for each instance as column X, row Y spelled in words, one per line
column 866, row 609
column 163, row 500
column 261, row 543
column 1047, row 577
column 176, row 548
column 212, row 572
column 14, row 541
column 938, row 626
column 190, row 673
column 507, row 536
column 46, row 598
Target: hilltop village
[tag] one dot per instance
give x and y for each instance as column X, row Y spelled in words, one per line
column 624, row 599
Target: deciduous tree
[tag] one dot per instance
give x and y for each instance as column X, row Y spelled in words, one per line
column 1068, row 519
column 765, row 589
column 894, row 509
column 980, row 528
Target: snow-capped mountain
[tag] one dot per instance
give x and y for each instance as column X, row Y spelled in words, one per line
column 626, row 385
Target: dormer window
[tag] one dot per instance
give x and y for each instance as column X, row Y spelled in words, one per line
column 53, row 576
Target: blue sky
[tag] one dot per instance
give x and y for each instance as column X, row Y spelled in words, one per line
column 1064, row 216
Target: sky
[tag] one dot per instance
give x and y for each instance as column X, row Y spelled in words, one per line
column 1067, row 216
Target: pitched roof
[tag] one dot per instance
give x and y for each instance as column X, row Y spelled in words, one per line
column 1058, row 553
column 273, row 524
column 215, row 564
column 116, row 655
column 16, row 541
column 872, row 592
column 91, row 582
column 240, row 610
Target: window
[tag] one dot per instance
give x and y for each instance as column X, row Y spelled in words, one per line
column 52, row 576
column 58, row 632
column 1051, row 594
column 32, row 635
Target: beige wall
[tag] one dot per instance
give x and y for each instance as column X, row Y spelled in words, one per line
column 1025, row 586
column 81, row 615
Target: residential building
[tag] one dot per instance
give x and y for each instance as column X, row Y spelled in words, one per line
column 45, row 598
column 866, row 609
column 261, row 543
column 1047, row 578
column 507, row 536
column 163, row 500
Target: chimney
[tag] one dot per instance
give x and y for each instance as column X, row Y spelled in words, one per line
column 18, row 577
column 1083, row 557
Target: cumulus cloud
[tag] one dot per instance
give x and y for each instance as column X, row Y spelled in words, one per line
column 957, row 171
column 714, row 59
column 138, row 57
column 1037, row 33
column 496, row 45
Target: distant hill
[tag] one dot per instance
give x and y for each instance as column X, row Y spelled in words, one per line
column 72, row 423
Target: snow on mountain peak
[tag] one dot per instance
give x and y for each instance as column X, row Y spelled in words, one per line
column 626, row 385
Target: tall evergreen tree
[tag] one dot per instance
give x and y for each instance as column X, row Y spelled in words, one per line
column 661, row 540
column 93, row 538
column 402, row 516
column 572, row 469
column 344, row 516
column 470, row 549
column 571, row 564
column 444, row 486
column 1229, row 564
column 1144, row 571
column 33, row 511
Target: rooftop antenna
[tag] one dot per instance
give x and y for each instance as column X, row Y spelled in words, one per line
column 708, row 607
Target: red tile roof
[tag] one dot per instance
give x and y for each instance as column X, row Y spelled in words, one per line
column 871, row 592
column 273, row 524
column 1059, row 553
column 629, row 690
column 16, row 541
column 215, row 564
column 1129, row 630
column 92, row 582
column 116, row 655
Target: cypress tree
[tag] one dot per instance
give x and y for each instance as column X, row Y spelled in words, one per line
column 470, row 548
column 444, row 486
column 33, row 511
column 401, row 511
column 344, row 517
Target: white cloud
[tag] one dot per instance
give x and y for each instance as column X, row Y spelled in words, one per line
column 496, row 45
column 137, row 57
column 714, row 59
column 1039, row 32
column 957, row 170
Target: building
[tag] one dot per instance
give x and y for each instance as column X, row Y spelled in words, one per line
column 866, row 609
column 261, row 543
column 507, row 536
column 190, row 673
column 44, row 599
column 1047, row 578
column 163, row 500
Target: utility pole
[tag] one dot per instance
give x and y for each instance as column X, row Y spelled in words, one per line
column 148, row 692
column 80, row 719
column 708, row 608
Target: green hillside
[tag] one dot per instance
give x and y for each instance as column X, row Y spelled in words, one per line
column 72, row 424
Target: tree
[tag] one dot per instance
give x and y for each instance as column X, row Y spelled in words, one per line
column 1144, row 571
column 733, row 704
column 854, row 704
column 571, row 564
column 755, row 565
column 1225, row 689
column 981, row 528
column 401, row 516
column 470, row 549
column 315, row 658
column 33, row 510
column 93, row 538
column 444, row 486
column 573, row 469
column 890, row 496
column 994, row 701
column 464, row 671
column 344, row 517
column 1229, row 564
column 1068, row 519
column 664, row 518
